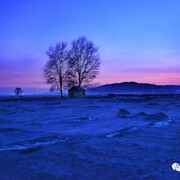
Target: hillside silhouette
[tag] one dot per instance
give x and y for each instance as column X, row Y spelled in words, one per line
column 134, row 87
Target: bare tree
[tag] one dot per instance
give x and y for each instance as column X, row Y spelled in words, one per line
column 18, row 91
column 84, row 62
column 56, row 67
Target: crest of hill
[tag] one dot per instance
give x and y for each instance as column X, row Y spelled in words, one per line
column 134, row 87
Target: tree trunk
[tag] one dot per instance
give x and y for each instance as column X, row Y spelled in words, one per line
column 61, row 93
column 79, row 79
column 61, row 88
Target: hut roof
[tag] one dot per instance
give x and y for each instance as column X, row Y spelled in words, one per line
column 77, row 88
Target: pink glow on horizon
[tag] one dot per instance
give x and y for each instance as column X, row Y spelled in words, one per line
column 29, row 74
column 159, row 80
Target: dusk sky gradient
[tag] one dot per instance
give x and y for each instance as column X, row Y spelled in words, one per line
column 139, row 40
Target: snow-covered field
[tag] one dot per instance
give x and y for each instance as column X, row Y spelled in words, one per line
column 125, row 137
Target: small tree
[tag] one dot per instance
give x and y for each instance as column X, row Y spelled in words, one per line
column 84, row 62
column 18, row 91
column 56, row 67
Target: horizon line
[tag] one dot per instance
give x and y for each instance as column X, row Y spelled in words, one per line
column 91, row 86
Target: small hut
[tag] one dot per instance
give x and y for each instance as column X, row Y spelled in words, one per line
column 76, row 92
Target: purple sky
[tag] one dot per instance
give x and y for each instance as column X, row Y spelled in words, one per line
column 138, row 40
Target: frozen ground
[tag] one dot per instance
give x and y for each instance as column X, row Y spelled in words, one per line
column 125, row 137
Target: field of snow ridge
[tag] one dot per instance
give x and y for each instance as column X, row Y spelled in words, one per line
column 123, row 137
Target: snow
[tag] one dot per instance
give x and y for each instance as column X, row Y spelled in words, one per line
column 125, row 137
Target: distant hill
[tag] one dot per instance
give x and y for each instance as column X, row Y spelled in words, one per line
column 136, row 88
